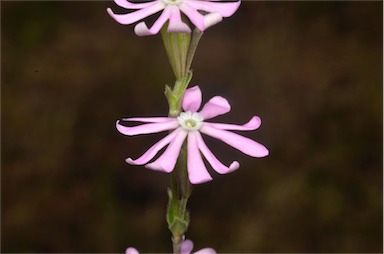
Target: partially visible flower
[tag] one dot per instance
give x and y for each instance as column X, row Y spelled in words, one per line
column 131, row 250
column 188, row 125
column 171, row 11
column 186, row 248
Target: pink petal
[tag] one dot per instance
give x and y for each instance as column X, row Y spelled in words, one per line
column 167, row 161
column 197, row 171
column 186, row 247
column 128, row 5
column 147, row 128
column 215, row 163
column 192, row 99
column 148, row 119
column 132, row 17
column 215, row 107
column 151, row 152
column 176, row 25
column 225, row 9
column 206, row 251
column 252, row 124
column 131, row 250
column 212, row 19
column 141, row 29
column 243, row 144
column 194, row 16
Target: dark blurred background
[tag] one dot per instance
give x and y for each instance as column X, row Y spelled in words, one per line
column 311, row 70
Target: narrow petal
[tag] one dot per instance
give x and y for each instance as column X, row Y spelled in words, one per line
column 215, row 107
column 225, row 9
column 141, row 29
column 167, row 161
column 212, row 19
column 192, row 99
column 252, row 124
column 148, row 119
column 132, row 17
column 243, row 144
column 197, row 172
column 186, row 247
column 147, row 128
column 131, row 250
column 176, row 25
column 206, row 251
column 151, row 152
column 128, row 5
column 194, row 16
column 215, row 163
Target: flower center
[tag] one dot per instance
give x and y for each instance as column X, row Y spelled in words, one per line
column 172, row 2
column 190, row 121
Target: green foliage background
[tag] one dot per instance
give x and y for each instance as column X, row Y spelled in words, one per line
column 311, row 70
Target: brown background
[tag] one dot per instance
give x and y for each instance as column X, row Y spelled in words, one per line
column 311, row 70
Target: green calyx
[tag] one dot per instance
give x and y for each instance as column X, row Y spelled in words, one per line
column 176, row 45
column 180, row 48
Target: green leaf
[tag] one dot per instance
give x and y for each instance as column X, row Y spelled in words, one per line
column 172, row 208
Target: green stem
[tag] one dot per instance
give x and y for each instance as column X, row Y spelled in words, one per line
column 174, row 185
column 180, row 53
column 185, row 185
column 177, row 246
column 177, row 214
column 193, row 46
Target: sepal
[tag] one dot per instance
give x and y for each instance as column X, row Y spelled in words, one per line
column 175, row 96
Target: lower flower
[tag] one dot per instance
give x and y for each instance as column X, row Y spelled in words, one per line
column 188, row 126
column 186, row 248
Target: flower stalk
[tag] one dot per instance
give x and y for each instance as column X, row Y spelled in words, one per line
column 180, row 51
column 177, row 48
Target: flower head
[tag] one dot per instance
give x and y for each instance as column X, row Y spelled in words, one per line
column 171, row 11
column 186, row 248
column 188, row 126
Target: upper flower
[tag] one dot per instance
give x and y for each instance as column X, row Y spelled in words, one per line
column 188, row 125
column 171, row 11
column 186, row 248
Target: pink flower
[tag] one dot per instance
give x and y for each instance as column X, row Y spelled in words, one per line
column 131, row 250
column 188, row 126
column 186, row 248
column 171, row 11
